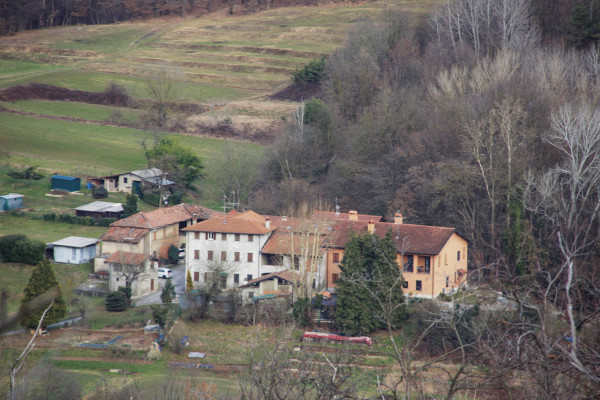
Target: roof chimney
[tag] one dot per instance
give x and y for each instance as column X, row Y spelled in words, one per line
column 284, row 218
column 353, row 215
column 371, row 226
column 267, row 223
column 398, row 218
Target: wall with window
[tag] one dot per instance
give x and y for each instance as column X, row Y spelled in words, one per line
column 240, row 252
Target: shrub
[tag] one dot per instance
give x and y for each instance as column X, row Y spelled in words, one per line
column 312, row 72
column 25, row 173
column 100, row 192
column 116, row 301
column 20, row 249
column 173, row 254
column 127, row 291
column 105, row 221
column 41, row 281
column 117, row 95
column 49, row 217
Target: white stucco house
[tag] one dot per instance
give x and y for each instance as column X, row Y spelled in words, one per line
column 230, row 244
column 74, row 250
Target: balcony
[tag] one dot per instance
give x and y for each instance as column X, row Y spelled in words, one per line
column 424, row 269
column 407, row 268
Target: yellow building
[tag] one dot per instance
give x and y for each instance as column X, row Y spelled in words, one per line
column 433, row 259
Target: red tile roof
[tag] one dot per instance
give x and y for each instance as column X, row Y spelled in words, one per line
column 124, row 234
column 281, row 243
column 166, row 216
column 248, row 222
column 286, row 275
column 416, row 239
column 331, row 215
column 126, row 258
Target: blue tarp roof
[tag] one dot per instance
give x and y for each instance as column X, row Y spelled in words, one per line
column 64, row 178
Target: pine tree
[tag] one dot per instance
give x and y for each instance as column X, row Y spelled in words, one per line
column 168, row 293
column 189, row 284
column 369, row 292
column 42, row 280
column 130, row 206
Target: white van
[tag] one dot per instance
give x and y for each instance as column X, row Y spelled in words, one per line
column 165, row 273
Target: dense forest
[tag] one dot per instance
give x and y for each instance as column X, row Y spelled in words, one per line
column 484, row 117
column 19, row 15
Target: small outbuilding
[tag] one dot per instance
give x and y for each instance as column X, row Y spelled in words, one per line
column 74, row 250
column 100, row 209
column 11, row 201
column 66, row 183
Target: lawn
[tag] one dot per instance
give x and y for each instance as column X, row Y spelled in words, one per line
column 75, row 148
column 91, row 112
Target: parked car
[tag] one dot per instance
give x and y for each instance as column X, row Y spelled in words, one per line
column 181, row 254
column 165, row 273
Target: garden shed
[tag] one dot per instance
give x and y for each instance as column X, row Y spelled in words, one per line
column 100, row 209
column 11, row 201
column 66, row 183
column 74, row 250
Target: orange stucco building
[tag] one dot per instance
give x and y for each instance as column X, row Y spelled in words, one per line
column 433, row 259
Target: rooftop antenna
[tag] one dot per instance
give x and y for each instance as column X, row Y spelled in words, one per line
column 337, row 208
column 229, row 205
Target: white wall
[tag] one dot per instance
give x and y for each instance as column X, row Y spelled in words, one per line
column 73, row 255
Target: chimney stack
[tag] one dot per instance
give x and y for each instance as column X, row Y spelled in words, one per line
column 371, row 226
column 398, row 218
column 353, row 215
column 267, row 223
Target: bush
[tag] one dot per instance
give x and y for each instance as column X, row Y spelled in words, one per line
column 116, row 301
column 105, row 221
column 20, row 249
column 312, row 72
column 173, row 254
column 25, row 173
column 100, row 192
column 127, row 291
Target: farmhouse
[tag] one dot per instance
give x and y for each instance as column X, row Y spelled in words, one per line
column 229, row 244
column 100, row 209
column 74, row 250
column 146, row 235
column 276, row 284
column 66, row 183
column 11, row 201
column 131, row 182
column 433, row 259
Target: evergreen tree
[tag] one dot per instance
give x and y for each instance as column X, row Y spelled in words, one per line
column 130, row 206
column 168, row 293
column 369, row 292
column 189, row 283
column 42, row 280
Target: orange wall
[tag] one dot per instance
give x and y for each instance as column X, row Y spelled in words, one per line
column 444, row 265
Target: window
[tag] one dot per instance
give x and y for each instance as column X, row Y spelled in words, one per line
column 223, row 256
column 250, row 257
column 236, row 256
column 124, row 180
column 210, row 236
column 405, row 284
column 249, row 277
column 458, row 255
column 250, row 295
column 419, row 285
column 427, row 266
column 447, row 281
column 223, row 281
column 196, row 235
column 314, row 284
column 223, row 236
column 196, row 254
column 334, row 278
column 236, row 278
column 210, row 255
column 237, row 237
column 196, row 276
column 408, row 266
column 336, row 258
column 250, row 238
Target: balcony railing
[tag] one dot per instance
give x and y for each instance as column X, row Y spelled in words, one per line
column 423, row 270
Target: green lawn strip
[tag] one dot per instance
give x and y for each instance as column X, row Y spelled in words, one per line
column 78, row 148
column 91, row 112
column 12, row 68
column 15, row 278
column 156, row 368
column 98, row 318
column 46, row 231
